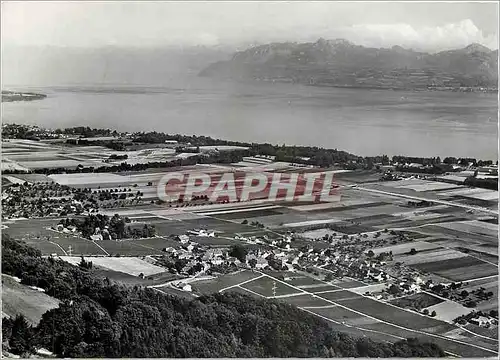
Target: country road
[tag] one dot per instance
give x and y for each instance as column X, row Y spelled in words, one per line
column 444, row 202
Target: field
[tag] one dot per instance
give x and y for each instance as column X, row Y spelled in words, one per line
column 459, row 269
column 449, row 344
column 36, row 234
column 432, row 255
column 448, row 310
column 224, row 282
column 20, row 299
column 264, row 286
column 129, row 265
column 389, row 313
column 452, row 244
column 490, row 284
column 406, row 247
column 422, row 300
column 349, row 312
column 474, row 226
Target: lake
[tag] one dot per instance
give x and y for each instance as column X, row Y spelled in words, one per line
column 363, row 122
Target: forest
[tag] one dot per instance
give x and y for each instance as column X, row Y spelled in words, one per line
column 100, row 318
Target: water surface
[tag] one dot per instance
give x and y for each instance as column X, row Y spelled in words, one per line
column 364, row 122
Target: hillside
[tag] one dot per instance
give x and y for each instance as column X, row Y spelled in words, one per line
column 100, row 319
column 342, row 63
column 21, row 299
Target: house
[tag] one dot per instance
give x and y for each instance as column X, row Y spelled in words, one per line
column 183, row 286
column 261, row 263
column 202, row 233
column 265, row 255
column 96, row 237
column 170, row 250
column 212, row 254
column 183, row 254
column 480, row 321
column 233, row 260
column 184, row 239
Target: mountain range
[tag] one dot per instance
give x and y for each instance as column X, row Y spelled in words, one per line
column 342, row 63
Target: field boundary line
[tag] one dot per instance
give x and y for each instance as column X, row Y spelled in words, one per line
column 147, row 247
column 251, row 291
column 244, row 282
column 478, row 335
column 444, row 202
column 286, row 296
column 319, row 307
column 391, row 324
column 60, row 247
column 328, row 291
column 482, row 278
column 166, row 293
column 100, row 247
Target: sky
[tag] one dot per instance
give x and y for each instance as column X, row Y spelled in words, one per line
column 421, row 26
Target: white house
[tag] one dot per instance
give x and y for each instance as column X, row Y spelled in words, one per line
column 261, row 263
column 184, row 239
column 96, row 237
column 480, row 321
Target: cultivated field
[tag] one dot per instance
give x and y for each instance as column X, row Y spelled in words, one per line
column 448, row 310
column 264, row 286
column 459, row 269
column 129, row 265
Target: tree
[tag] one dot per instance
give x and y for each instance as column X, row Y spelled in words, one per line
column 412, row 251
column 470, row 304
column 433, row 314
column 394, row 290
column 464, row 293
column 21, row 339
column 244, row 222
column 252, row 263
column 85, row 264
column 239, row 252
column 425, row 312
column 370, row 254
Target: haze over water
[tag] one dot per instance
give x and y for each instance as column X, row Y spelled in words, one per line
column 364, row 122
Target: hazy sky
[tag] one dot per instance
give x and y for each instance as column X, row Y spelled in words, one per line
column 429, row 26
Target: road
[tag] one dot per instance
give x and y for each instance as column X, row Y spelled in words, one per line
column 444, row 202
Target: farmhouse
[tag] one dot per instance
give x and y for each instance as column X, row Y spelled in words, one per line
column 183, row 239
column 215, row 256
column 183, row 286
column 170, row 250
column 480, row 321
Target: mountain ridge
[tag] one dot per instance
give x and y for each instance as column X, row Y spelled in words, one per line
column 340, row 62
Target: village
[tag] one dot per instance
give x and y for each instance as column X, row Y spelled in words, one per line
column 400, row 251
